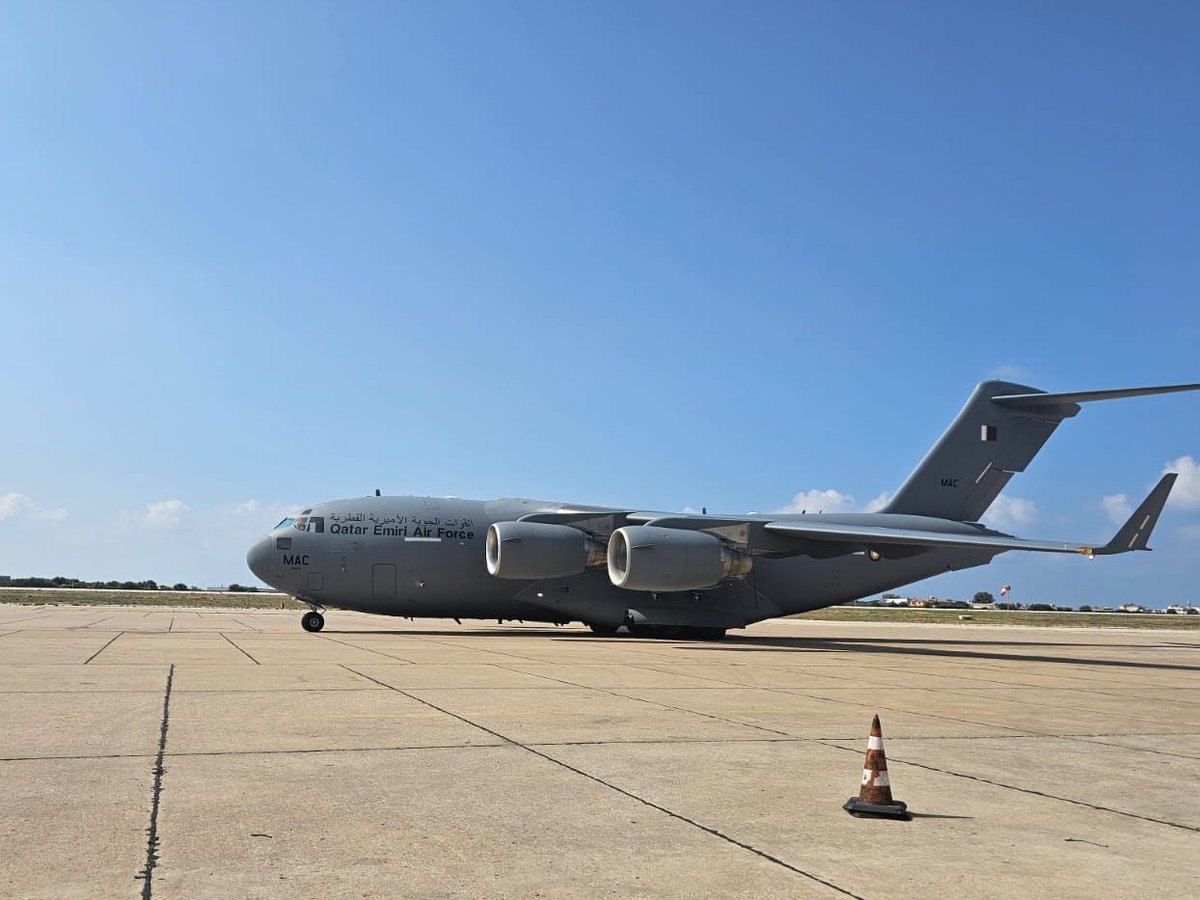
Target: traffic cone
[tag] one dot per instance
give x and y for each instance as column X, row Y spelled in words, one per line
column 875, row 796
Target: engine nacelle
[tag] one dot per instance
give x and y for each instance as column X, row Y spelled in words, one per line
column 534, row 550
column 647, row 558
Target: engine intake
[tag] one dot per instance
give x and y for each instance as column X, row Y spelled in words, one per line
column 534, row 550
column 648, row 558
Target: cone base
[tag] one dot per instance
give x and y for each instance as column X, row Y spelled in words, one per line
column 864, row 810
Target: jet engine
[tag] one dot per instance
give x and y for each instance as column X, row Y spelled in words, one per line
column 534, row 550
column 647, row 558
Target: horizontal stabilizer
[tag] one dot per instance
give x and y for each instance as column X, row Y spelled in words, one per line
column 1136, row 532
column 1038, row 400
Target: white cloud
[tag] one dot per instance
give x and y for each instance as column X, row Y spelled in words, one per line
column 164, row 513
column 815, row 501
column 1186, row 493
column 1117, row 506
column 246, row 508
column 881, row 501
column 14, row 505
column 1011, row 512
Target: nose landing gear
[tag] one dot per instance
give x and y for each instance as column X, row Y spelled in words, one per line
column 312, row 621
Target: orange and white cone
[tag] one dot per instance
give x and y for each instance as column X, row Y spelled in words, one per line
column 875, row 795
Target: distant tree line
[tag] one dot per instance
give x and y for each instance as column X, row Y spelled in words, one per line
column 60, row 581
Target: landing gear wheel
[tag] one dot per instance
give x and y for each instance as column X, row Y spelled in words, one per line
column 312, row 621
column 604, row 630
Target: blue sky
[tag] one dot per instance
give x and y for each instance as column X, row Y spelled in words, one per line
column 665, row 255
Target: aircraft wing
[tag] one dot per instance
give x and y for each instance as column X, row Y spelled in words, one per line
column 796, row 536
column 911, row 537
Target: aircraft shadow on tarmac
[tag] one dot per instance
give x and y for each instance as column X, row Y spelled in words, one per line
column 897, row 646
column 909, row 647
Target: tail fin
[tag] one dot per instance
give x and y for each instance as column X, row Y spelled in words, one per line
column 995, row 435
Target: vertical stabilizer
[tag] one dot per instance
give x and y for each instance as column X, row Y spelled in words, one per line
column 985, row 445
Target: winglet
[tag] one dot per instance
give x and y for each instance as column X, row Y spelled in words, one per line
column 1136, row 532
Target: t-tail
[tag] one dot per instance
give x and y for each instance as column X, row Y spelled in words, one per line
column 995, row 435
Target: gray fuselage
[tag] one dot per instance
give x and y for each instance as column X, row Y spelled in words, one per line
column 425, row 557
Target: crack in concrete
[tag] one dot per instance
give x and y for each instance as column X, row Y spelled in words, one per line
column 152, row 841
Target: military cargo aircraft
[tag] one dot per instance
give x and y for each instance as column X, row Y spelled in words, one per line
column 661, row 574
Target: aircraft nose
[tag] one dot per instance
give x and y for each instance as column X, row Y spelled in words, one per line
column 258, row 558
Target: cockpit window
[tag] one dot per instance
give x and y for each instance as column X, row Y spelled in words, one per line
column 301, row 523
column 317, row 524
column 285, row 523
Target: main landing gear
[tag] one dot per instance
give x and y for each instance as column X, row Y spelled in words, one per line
column 312, row 621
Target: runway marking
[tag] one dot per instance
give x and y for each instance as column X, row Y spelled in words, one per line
column 102, row 649
column 236, row 647
column 147, row 873
column 632, row 796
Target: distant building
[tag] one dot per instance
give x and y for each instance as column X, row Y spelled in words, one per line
column 1131, row 608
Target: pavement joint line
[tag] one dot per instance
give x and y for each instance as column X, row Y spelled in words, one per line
column 37, row 615
column 171, row 626
column 282, row 690
column 7, row 633
column 1024, row 790
column 105, row 647
column 835, row 700
column 632, row 796
column 427, row 639
column 247, row 625
column 152, row 840
column 1056, row 706
column 883, row 647
column 662, row 705
column 68, row 757
column 366, row 649
column 236, row 647
column 399, row 749
column 989, row 684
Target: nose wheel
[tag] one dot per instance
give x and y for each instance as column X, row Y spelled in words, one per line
column 312, row 621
